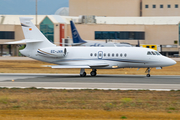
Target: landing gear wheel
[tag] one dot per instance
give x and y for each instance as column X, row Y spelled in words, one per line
column 93, row 73
column 148, row 71
column 83, row 74
column 148, row 75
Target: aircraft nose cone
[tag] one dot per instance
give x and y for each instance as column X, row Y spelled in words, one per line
column 171, row 62
column 165, row 61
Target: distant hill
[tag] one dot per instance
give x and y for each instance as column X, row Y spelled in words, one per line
column 27, row 7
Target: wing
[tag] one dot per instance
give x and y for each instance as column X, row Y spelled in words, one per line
column 68, row 66
column 80, row 66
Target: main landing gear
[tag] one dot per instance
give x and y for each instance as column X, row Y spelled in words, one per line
column 148, row 70
column 93, row 72
column 83, row 73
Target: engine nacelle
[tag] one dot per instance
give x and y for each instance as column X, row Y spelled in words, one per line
column 52, row 52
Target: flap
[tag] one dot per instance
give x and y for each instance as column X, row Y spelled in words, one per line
column 68, row 66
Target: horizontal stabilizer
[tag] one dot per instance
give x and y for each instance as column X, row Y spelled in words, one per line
column 24, row 41
column 68, row 66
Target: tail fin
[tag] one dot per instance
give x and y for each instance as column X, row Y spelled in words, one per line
column 32, row 34
column 75, row 35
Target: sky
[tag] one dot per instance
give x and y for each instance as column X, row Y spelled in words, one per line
column 28, row 7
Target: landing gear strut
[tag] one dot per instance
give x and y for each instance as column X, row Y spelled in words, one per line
column 82, row 72
column 93, row 72
column 148, row 70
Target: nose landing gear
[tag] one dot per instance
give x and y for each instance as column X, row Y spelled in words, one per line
column 148, row 70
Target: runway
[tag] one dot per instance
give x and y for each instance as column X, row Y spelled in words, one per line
column 74, row 81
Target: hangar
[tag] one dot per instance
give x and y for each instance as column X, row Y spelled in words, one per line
column 154, row 22
column 163, row 31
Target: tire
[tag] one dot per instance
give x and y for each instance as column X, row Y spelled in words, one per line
column 93, row 73
column 83, row 75
column 148, row 75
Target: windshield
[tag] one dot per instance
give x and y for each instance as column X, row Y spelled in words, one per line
column 153, row 53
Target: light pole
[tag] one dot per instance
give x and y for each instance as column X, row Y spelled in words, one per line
column 36, row 12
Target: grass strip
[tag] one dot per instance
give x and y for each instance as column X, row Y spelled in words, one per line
column 35, row 104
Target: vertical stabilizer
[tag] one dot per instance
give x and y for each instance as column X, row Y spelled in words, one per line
column 75, row 35
column 32, row 33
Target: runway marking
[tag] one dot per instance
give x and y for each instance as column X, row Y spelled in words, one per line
column 101, row 82
column 68, row 88
column 100, row 86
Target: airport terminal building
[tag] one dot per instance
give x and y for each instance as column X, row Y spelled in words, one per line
column 149, row 21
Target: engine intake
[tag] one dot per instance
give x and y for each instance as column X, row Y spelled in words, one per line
column 52, row 52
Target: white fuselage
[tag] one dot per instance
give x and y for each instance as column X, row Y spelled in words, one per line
column 114, row 57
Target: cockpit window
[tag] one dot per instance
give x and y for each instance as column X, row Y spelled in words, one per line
column 153, row 52
column 157, row 53
column 149, row 53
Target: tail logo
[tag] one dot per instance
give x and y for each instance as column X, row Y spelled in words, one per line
column 75, row 34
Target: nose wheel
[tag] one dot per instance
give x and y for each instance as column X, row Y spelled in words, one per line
column 148, row 75
column 93, row 72
column 148, row 70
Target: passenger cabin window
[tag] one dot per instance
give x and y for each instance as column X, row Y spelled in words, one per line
column 116, row 54
column 95, row 54
column 147, row 46
column 125, row 55
column 149, row 53
column 108, row 54
column 104, row 54
column 113, row 55
column 121, row 54
column 91, row 54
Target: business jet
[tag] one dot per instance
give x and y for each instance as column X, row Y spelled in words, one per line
column 40, row 48
column 78, row 41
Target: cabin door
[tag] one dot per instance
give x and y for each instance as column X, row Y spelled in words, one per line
column 100, row 55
